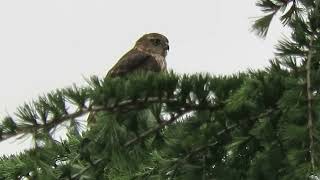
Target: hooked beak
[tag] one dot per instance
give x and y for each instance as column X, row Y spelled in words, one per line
column 166, row 47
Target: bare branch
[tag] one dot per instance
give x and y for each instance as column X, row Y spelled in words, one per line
column 310, row 97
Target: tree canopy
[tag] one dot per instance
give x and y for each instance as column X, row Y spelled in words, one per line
column 259, row 124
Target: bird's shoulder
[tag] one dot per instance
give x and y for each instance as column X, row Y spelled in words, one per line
column 129, row 61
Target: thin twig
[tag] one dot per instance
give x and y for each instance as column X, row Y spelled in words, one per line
column 202, row 148
column 75, row 176
column 154, row 129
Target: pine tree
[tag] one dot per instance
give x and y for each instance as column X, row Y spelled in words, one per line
column 260, row 124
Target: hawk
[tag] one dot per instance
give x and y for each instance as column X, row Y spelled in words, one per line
column 148, row 54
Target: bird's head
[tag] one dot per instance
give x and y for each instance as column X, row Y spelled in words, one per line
column 154, row 43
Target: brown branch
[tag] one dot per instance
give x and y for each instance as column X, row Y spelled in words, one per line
column 310, row 97
column 178, row 162
column 187, row 109
column 128, row 104
column 52, row 123
column 154, row 129
column 309, row 91
column 75, row 176
column 204, row 147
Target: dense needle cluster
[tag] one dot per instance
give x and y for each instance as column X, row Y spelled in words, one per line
column 261, row 124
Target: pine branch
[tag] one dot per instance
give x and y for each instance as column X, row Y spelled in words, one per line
column 227, row 129
column 309, row 88
column 51, row 123
column 271, row 8
column 170, row 121
column 187, row 109
column 96, row 162
column 202, row 148
column 126, row 104
column 159, row 127
column 199, row 149
column 310, row 98
column 144, row 135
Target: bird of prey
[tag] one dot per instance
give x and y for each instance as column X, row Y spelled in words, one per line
column 148, row 54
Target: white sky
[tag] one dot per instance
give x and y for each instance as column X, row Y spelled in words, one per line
column 46, row 45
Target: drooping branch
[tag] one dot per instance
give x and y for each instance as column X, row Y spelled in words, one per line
column 121, row 106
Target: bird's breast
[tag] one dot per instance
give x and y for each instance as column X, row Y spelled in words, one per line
column 161, row 61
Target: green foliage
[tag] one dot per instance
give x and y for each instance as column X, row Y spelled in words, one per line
column 251, row 125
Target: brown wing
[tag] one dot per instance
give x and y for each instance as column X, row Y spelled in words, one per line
column 132, row 61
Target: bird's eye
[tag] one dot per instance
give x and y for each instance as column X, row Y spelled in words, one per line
column 155, row 42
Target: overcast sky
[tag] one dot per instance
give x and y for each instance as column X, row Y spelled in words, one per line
column 46, row 45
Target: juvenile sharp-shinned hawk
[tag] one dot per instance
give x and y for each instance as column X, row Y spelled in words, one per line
column 148, row 54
